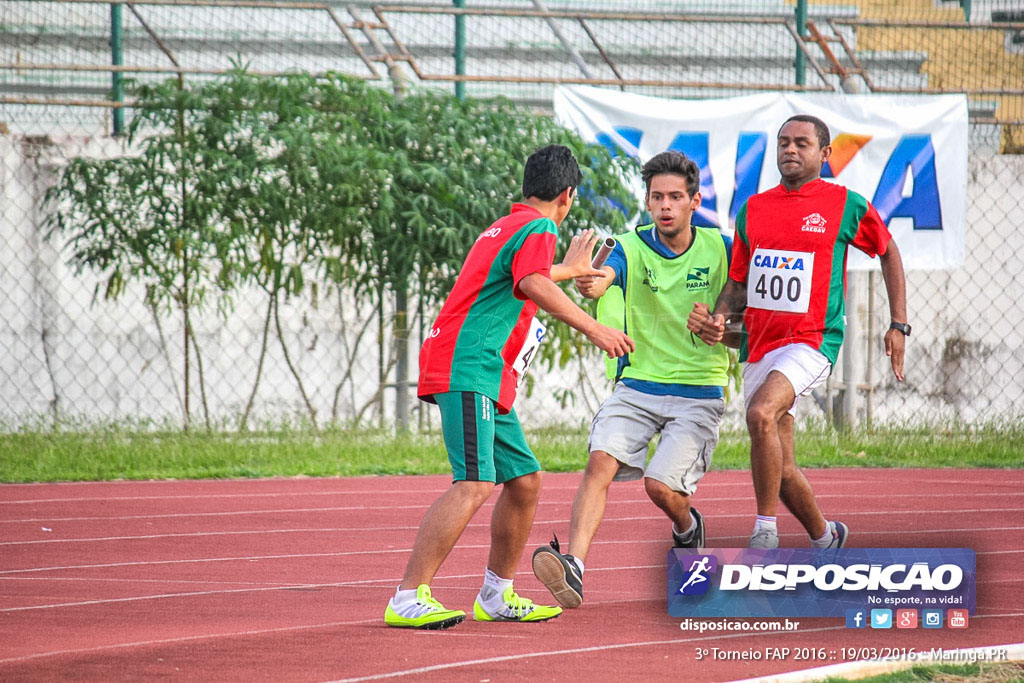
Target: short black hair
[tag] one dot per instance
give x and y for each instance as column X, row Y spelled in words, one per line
column 675, row 163
column 819, row 127
column 549, row 170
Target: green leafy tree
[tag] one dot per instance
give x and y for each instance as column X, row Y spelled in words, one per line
column 296, row 183
column 151, row 216
column 226, row 183
column 301, row 191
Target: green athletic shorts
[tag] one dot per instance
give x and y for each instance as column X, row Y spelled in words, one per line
column 483, row 445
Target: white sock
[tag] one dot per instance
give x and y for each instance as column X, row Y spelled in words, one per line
column 403, row 597
column 826, row 538
column 404, row 603
column 579, row 564
column 766, row 522
column 685, row 535
column 493, row 590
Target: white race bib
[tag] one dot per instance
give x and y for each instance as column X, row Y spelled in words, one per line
column 526, row 354
column 780, row 280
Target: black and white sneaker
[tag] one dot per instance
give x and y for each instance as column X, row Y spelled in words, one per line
column 559, row 574
column 693, row 540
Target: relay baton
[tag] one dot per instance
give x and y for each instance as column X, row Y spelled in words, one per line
column 603, row 252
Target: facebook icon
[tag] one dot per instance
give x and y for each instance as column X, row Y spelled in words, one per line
column 856, row 618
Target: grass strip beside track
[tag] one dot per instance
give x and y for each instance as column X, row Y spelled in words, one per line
column 120, row 453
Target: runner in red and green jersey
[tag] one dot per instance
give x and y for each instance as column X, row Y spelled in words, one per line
column 790, row 250
column 789, row 272
column 476, row 352
column 486, row 320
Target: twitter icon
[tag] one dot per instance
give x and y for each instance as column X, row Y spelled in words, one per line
column 881, row 618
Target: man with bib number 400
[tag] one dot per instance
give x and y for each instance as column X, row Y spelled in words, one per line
column 470, row 366
column 789, row 273
column 671, row 385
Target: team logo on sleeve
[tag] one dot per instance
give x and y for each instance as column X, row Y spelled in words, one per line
column 814, row 223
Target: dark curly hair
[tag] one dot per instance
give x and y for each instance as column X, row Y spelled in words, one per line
column 550, row 170
column 675, row 163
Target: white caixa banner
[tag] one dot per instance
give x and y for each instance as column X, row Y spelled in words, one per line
column 906, row 154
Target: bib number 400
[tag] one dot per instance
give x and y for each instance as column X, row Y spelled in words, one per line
column 780, row 280
column 776, row 287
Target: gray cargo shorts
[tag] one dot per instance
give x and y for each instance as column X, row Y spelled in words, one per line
column 629, row 419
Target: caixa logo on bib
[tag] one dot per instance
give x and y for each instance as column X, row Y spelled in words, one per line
column 792, row 582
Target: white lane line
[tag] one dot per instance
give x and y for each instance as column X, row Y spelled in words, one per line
column 390, row 582
column 357, row 508
column 308, row 586
column 314, row 530
column 195, row 534
column 387, row 583
column 185, row 639
column 705, row 485
column 162, row 596
column 99, row 579
column 150, row 563
column 999, row 552
column 256, row 558
column 268, row 494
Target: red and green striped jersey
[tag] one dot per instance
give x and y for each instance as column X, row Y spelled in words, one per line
column 790, row 251
column 485, row 320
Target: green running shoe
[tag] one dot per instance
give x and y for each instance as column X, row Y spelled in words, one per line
column 515, row 609
column 425, row 613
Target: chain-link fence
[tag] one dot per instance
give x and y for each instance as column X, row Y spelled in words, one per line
column 67, row 352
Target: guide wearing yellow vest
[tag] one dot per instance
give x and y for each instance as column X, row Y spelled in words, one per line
column 671, row 385
column 658, row 296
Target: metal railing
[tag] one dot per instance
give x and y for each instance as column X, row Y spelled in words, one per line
column 566, row 46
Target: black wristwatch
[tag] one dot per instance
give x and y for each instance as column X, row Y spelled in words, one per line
column 902, row 327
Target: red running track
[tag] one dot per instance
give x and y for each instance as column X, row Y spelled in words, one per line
column 287, row 579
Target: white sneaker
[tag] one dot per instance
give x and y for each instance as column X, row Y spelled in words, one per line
column 840, row 534
column 764, row 538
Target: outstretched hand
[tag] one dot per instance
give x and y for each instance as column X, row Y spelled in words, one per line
column 579, row 255
column 610, row 340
